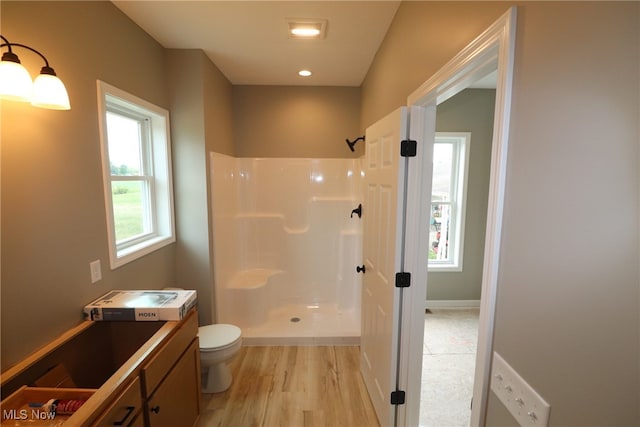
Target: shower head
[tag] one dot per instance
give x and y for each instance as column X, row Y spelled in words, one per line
column 351, row 144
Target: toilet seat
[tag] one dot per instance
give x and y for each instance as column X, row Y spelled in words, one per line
column 218, row 336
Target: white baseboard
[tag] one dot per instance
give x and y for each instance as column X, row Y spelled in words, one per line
column 442, row 303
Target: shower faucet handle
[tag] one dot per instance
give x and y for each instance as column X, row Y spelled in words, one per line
column 357, row 211
column 360, row 269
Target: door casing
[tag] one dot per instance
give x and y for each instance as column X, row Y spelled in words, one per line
column 493, row 50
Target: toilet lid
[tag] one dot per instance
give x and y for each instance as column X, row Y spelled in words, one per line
column 217, row 336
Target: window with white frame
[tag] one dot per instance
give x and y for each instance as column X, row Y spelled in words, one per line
column 448, row 197
column 136, row 166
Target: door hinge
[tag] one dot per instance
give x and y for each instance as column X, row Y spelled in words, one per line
column 408, row 148
column 403, row 280
column 397, row 397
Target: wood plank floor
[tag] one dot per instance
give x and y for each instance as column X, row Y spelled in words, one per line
column 292, row 387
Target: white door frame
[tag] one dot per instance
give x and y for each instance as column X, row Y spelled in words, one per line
column 493, row 49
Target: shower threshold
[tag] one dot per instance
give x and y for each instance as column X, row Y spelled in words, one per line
column 310, row 325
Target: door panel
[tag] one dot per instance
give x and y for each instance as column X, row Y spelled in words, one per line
column 384, row 181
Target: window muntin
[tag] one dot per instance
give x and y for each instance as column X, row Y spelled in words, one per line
column 448, row 197
column 137, row 175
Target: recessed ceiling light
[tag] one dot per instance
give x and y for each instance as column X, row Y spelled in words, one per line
column 307, row 28
column 304, row 73
column 305, row 31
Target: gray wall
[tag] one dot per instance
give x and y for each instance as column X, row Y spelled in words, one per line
column 471, row 110
column 296, row 121
column 568, row 291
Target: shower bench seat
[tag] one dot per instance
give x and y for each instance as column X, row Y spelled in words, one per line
column 248, row 292
column 253, row 278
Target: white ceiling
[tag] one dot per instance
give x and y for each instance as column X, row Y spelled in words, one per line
column 249, row 42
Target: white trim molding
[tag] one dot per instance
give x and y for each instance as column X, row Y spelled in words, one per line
column 156, row 150
column 493, row 50
column 452, row 303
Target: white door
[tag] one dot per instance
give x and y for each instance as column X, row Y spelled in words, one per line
column 382, row 213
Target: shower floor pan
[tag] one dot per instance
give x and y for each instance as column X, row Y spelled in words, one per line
column 308, row 325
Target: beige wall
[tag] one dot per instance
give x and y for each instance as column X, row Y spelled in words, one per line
column 201, row 122
column 567, row 309
column 218, row 113
column 472, row 111
column 438, row 30
column 296, row 121
column 574, row 139
column 53, row 215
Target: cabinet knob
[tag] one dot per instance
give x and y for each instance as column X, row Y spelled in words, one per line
column 155, row 409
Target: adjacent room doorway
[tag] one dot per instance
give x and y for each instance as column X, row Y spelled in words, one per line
column 392, row 378
column 461, row 168
column 492, row 51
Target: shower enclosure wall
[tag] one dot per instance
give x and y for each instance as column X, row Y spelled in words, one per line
column 286, row 247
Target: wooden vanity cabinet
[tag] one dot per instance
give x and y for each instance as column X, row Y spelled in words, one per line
column 150, row 373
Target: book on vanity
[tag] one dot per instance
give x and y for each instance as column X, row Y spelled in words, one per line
column 141, row 305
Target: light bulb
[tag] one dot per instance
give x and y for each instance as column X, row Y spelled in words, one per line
column 305, row 32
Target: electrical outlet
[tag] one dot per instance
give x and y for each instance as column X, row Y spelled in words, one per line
column 96, row 271
column 522, row 401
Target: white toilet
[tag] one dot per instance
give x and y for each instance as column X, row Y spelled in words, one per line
column 218, row 344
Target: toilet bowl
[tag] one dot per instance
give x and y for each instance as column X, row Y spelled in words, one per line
column 218, row 344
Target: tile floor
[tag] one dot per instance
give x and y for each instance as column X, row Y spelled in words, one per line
column 448, row 365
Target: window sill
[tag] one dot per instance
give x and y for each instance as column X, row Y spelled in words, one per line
column 444, row 268
column 134, row 252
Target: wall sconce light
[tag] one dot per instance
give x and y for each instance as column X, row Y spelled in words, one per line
column 47, row 91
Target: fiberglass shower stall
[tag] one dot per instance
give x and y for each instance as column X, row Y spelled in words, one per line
column 286, row 247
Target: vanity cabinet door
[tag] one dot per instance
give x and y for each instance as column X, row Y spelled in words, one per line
column 176, row 401
column 156, row 369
